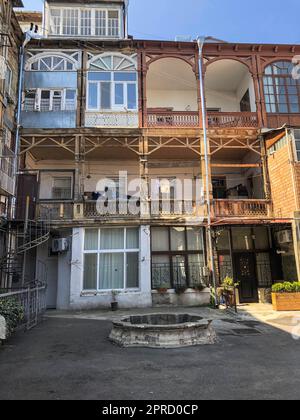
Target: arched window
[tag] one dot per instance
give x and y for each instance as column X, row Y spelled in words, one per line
column 112, row 83
column 282, row 91
column 51, row 63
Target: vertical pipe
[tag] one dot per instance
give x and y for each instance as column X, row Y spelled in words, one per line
column 201, row 42
column 126, row 6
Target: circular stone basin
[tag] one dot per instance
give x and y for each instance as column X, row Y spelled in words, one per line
column 162, row 331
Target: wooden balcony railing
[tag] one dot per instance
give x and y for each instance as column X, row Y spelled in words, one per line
column 88, row 210
column 241, row 208
column 166, row 119
column 233, row 119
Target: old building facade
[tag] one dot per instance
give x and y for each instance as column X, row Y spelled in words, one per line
column 112, row 147
column 10, row 42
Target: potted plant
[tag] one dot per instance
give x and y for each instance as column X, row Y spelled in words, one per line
column 286, row 296
column 180, row 290
column 228, row 290
column 163, row 289
column 114, row 303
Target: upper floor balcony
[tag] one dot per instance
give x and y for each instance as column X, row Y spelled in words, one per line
column 99, row 19
column 230, row 95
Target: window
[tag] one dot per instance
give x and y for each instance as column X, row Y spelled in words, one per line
column 111, row 259
column 62, row 188
column 8, row 80
column 52, row 63
column 45, row 100
column 282, row 92
column 112, row 83
column 297, row 143
column 177, row 257
column 85, row 22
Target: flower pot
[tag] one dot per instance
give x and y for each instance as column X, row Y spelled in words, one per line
column 286, row 301
column 114, row 306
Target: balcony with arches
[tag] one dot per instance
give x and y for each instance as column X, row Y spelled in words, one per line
column 230, row 95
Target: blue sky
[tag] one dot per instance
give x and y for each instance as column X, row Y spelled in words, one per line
column 266, row 21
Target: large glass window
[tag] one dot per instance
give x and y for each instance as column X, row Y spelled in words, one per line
column 282, row 92
column 177, row 257
column 112, row 90
column 76, row 21
column 111, row 259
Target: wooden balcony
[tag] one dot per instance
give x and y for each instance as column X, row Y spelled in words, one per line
column 166, row 119
column 182, row 119
column 233, row 119
column 121, row 210
column 256, row 209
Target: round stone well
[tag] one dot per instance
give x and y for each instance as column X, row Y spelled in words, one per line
column 162, row 331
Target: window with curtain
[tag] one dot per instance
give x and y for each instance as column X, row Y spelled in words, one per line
column 178, row 258
column 282, row 92
column 111, row 259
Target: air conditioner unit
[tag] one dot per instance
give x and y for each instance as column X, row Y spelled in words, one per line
column 60, row 245
column 284, row 237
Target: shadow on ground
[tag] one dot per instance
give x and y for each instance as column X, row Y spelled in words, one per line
column 71, row 358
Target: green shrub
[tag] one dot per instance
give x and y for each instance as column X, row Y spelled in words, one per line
column 228, row 283
column 286, row 287
column 12, row 312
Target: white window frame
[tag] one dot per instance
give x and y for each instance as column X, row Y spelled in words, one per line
column 38, row 97
column 114, row 106
column 55, row 178
column 296, row 141
column 8, row 83
column 123, row 251
column 93, row 21
column 52, row 67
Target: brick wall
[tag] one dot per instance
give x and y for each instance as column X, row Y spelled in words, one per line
column 281, row 182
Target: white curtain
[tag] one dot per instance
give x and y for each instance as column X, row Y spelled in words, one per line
column 195, row 239
column 91, row 240
column 160, row 239
column 132, row 239
column 111, row 271
column 112, row 239
column 132, row 267
column 178, row 239
column 90, row 272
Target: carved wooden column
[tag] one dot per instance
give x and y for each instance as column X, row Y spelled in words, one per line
column 144, row 176
column 257, row 91
column 82, row 89
column 79, row 169
column 261, row 89
column 144, row 89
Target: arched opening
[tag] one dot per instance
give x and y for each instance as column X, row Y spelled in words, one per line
column 172, row 93
column 282, row 90
column 229, row 87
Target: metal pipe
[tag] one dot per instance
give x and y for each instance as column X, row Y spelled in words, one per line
column 126, row 6
column 201, row 42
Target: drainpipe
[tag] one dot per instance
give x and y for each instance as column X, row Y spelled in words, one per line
column 29, row 35
column 126, row 6
column 201, row 42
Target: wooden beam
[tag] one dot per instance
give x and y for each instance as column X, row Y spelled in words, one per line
column 235, row 165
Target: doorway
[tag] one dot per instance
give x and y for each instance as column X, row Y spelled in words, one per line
column 245, row 274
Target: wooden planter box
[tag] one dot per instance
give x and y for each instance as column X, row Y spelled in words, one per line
column 286, row 301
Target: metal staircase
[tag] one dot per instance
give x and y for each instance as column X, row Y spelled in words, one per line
column 24, row 236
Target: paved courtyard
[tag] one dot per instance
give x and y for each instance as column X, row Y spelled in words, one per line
column 69, row 356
